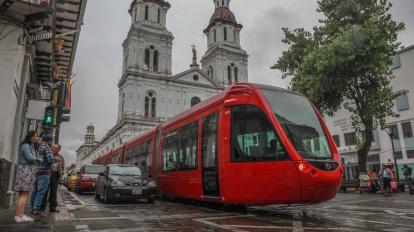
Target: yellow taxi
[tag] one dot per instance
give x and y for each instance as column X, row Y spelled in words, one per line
column 71, row 183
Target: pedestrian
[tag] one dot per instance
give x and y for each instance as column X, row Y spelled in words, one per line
column 42, row 174
column 373, row 178
column 26, row 174
column 57, row 170
column 387, row 176
column 407, row 171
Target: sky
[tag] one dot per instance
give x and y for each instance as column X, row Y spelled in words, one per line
column 98, row 60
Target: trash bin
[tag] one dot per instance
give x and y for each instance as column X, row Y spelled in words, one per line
column 364, row 184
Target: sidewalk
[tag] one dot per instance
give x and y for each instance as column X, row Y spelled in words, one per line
column 41, row 223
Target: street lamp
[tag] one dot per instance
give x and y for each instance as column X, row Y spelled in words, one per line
column 390, row 133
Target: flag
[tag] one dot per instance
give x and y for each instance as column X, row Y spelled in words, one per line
column 68, row 97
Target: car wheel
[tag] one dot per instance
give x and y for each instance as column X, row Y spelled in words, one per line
column 78, row 189
column 106, row 196
column 150, row 200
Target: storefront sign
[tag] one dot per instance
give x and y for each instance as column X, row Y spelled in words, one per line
column 345, row 124
column 37, row 36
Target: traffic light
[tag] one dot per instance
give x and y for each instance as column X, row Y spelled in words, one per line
column 64, row 114
column 48, row 119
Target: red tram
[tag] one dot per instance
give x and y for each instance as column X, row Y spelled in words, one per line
column 251, row 144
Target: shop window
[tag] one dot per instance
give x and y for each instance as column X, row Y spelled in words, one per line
column 350, row 139
column 410, row 154
column 407, row 129
column 401, row 102
column 336, row 139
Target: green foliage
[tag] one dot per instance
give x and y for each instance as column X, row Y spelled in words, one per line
column 344, row 62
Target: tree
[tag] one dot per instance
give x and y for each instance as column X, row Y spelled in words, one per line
column 344, row 62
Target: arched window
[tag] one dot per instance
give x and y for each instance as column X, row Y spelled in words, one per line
column 136, row 13
column 211, row 72
column 225, row 33
column 229, row 74
column 150, row 104
column 146, row 12
column 215, row 35
column 236, row 74
column 222, row 2
column 159, row 16
column 155, row 64
column 195, row 101
column 147, row 58
column 123, row 104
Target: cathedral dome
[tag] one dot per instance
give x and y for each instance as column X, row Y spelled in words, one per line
column 223, row 15
column 162, row 3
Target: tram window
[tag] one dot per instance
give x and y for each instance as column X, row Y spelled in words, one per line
column 188, row 136
column 209, row 147
column 253, row 137
column 170, row 151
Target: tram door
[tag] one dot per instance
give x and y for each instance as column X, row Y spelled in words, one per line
column 209, row 152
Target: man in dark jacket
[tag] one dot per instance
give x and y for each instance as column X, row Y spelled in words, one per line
column 57, row 169
column 42, row 174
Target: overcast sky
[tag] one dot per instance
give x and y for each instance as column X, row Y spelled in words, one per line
column 98, row 59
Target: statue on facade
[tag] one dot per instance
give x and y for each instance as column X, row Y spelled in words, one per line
column 194, row 56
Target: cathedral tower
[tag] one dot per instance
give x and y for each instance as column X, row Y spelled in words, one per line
column 224, row 61
column 147, row 54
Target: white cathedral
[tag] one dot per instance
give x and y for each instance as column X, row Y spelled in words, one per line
column 148, row 92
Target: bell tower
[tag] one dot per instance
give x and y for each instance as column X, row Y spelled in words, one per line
column 224, row 61
column 147, row 53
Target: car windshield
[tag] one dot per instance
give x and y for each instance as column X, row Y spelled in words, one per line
column 125, row 171
column 94, row 169
column 300, row 123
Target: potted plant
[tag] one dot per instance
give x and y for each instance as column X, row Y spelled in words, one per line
column 59, row 43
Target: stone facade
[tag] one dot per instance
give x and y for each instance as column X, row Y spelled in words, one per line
column 148, row 92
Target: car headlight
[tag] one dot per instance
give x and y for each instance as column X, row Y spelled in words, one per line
column 152, row 184
column 116, row 183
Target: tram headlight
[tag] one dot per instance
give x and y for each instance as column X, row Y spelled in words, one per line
column 152, row 184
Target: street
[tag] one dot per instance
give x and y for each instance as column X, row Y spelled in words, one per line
column 347, row 212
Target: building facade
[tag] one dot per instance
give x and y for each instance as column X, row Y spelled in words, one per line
column 29, row 60
column 401, row 128
column 87, row 146
column 148, row 91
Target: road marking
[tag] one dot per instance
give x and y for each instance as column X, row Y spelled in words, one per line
column 297, row 226
column 76, row 198
column 82, row 228
column 289, row 227
column 99, row 218
column 369, row 221
column 225, row 227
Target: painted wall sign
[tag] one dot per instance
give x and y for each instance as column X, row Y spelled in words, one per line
column 30, row 38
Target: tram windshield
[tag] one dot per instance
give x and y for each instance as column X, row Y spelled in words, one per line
column 300, row 123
